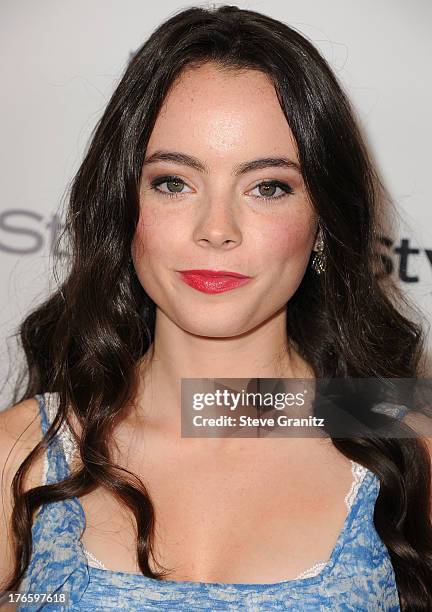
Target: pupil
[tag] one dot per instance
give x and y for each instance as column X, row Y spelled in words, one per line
column 176, row 182
column 267, row 187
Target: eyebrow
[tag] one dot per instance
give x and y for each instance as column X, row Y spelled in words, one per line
column 239, row 169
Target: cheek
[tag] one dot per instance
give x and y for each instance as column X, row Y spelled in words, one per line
column 286, row 241
column 151, row 238
column 151, row 254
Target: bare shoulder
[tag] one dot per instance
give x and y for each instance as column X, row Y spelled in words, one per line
column 421, row 424
column 20, row 431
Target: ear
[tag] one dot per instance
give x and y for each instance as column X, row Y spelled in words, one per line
column 317, row 238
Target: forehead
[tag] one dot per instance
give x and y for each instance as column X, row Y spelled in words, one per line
column 223, row 112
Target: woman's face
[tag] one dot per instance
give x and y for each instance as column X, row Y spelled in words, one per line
column 218, row 218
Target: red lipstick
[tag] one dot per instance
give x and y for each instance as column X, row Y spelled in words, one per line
column 213, row 281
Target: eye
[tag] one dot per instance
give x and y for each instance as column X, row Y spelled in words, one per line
column 174, row 181
column 269, row 186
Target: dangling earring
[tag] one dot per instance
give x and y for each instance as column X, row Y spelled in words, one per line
column 318, row 262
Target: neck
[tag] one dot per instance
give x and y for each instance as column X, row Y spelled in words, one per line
column 263, row 352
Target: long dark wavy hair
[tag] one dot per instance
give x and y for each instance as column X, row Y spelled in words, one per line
column 87, row 339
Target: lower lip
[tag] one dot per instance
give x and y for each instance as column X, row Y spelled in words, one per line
column 212, row 284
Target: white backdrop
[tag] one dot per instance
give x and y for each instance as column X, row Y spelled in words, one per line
column 61, row 60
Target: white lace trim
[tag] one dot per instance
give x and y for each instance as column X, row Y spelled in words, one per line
column 312, row 571
column 65, row 434
column 358, row 472
column 68, row 443
column 92, row 559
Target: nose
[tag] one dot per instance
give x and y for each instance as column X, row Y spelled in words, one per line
column 217, row 227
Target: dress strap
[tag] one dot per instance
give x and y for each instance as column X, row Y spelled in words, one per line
column 43, row 411
column 397, row 411
column 58, row 564
column 56, row 466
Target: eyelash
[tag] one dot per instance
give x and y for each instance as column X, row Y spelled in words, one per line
column 166, row 179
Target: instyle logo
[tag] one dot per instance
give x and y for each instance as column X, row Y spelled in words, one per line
column 397, row 257
column 25, row 232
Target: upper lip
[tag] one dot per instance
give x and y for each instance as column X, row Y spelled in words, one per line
column 215, row 273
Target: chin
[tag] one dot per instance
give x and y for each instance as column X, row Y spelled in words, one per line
column 215, row 329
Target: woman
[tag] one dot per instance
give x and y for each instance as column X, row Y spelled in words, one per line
column 171, row 182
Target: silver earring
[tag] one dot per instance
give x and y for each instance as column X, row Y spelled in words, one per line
column 318, row 262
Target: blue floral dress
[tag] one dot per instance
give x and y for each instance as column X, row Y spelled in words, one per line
column 358, row 576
